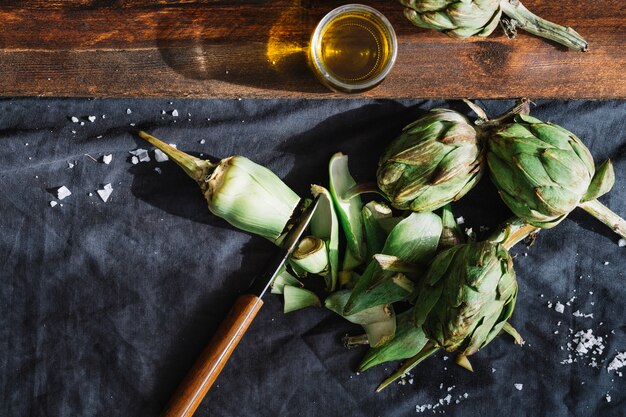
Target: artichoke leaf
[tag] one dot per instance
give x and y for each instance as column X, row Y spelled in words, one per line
column 375, row 235
column 602, row 182
column 297, row 298
column 349, row 211
column 282, row 279
column 408, row 341
column 325, row 225
column 414, row 241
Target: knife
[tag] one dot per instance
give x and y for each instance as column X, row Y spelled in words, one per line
column 208, row 366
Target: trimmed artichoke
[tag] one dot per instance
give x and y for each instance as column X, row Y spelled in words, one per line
column 436, row 160
column 543, row 172
column 245, row 194
column 466, row 297
column 465, row 18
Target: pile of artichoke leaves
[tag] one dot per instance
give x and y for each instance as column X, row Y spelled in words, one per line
column 402, row 269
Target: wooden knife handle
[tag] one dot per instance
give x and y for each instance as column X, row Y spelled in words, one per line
column 212, row 360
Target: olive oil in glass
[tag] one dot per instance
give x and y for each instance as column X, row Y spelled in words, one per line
column 353, row 48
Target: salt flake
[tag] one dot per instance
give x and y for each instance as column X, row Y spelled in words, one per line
column 141, row 154
column 159, row 156
column 105, row 192
column 519, row 387
column 53, row 203
column 92, row 119
column 559, row 308
column 619, row 361
column 63, row 192
column 621, row 243
column 107, row 159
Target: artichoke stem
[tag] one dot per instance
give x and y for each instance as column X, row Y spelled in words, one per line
column 522, row 106
column 358, row 189
column 409, row 364
column 512, row 232
column 528, row 21
column 518, row 235
column 606, row 216
column 354, row 341
column 196, row 168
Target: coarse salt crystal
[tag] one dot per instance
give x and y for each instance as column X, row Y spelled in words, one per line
column 75, row 119
column 519, row 387
column 158, row 170
column 70, row 165
column 608, row 398
column 142, row 154
column 92, row 119
column 618, row 362
column 134, row 160
column 107, row 159
column 621, row 243
column 105, row 192
column 606, row 263
column 460, row 220
column 202, row 141
column 63, row 192
column 559, row 308
column 53, row 203
column 159, row 156
column 128, row 111
column 175, row 113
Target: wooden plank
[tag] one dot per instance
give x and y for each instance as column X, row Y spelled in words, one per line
column 211, row 48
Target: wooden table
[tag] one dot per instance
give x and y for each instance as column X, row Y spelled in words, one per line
column 256, row 48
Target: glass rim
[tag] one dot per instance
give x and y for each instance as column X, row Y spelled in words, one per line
column 326, row 74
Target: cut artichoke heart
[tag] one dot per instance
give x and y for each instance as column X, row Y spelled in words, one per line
column 245, row 194
column 311, row 255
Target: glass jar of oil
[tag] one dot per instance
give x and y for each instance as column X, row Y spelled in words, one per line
column 353, row 48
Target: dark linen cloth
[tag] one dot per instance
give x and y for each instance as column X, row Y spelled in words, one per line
column 105, row 306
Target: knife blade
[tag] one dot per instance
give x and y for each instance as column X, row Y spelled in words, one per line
column 208, row 366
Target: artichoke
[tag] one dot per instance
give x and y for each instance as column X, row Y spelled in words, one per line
column 543, row 172
column 465, row 18
column 455, row 18
column 437, row 159
column 245, row 194
column 466, row 297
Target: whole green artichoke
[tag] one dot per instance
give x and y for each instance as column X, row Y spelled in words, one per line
column 465, row 18
column 436, row 160
column 466, row 297
column 543, row 172
column 455, row 18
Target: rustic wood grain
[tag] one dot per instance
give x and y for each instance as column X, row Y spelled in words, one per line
column 256, row 48
column 207, row 368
